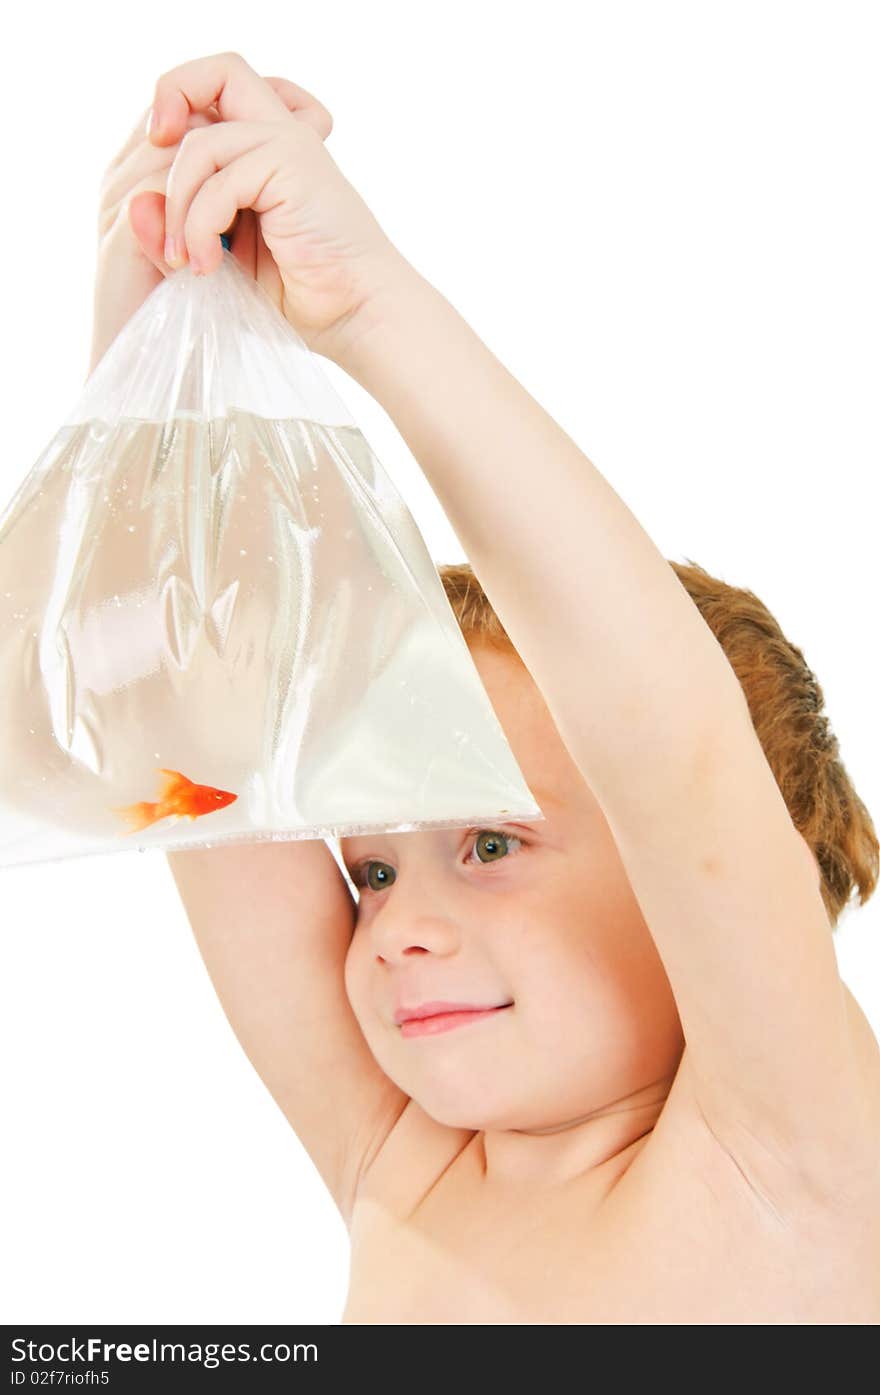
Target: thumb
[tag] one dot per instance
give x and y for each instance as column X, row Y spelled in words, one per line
column 146, row 216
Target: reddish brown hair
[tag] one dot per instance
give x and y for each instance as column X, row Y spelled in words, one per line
column 785, row 704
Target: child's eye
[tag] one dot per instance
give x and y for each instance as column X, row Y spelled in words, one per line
column 491, row 840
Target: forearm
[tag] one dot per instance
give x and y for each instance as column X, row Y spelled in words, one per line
column 594, row 609
column 271, row 920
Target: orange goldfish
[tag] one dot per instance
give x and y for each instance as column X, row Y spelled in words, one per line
column 178, row 796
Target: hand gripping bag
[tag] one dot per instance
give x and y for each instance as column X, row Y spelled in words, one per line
column 218, row 619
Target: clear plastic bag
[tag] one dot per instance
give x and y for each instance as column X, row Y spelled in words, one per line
column 218, row 619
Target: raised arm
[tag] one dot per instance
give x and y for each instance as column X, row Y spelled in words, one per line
column 641, row 692
column 273, row 922
column 654, row 716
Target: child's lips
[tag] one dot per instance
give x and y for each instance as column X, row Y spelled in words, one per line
column 447, row 1021
column 440, row 1005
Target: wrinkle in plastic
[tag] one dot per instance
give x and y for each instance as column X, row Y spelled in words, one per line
column 218, row 619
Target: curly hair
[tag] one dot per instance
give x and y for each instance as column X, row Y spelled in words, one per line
column 785, row 704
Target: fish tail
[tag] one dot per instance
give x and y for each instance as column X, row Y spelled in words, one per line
column 139, row 816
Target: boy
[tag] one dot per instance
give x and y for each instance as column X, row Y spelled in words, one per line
column 662, row 1105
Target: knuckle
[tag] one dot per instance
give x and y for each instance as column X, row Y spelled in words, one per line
column 306, row 134
column 228, row 57
column 191, row 143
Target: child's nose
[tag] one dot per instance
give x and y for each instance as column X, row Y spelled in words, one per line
column 411, row 924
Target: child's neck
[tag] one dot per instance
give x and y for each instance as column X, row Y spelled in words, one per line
column 558, row 1153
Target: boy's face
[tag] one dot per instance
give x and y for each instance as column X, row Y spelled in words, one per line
column 549, row 924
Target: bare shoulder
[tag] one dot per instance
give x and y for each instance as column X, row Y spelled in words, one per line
column 407, row 1157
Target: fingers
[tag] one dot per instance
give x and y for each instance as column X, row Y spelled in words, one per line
column 303, row 105
column 249, row 106
column 128, row 165
column 142, row 163
column 224, row 80
column 146, row 218
column 218, row 170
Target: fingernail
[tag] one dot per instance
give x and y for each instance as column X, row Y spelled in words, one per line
column 153, row 125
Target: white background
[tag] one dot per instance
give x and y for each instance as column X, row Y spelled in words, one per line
column 664, row 220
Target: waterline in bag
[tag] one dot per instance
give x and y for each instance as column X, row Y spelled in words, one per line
column 247, row 603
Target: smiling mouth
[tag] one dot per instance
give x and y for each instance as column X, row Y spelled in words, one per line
column 447, row 1021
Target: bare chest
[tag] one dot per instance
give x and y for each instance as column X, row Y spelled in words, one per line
column 671, row 1235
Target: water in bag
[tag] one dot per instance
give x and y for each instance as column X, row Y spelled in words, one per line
column 218, row 619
